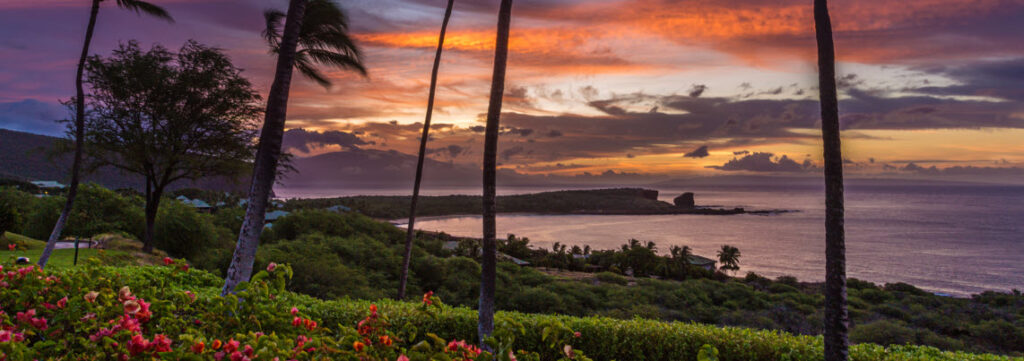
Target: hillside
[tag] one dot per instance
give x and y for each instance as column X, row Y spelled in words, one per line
column 30, row 157
column 594, row 201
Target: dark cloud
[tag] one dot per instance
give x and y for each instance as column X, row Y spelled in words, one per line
column 478, row 128
column 522, row 132
column 763, row 162
column 301, row 139
column 741, row 152
column 697, row 89
column 554, row 133
column 452, row 151
column 509, row 153
column 700, row 152
column 962, row 170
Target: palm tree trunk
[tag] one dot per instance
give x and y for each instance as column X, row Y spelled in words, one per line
column 268, row 152
column 423, row 151
column 488, row 259
column 836, row 317
column 76, row 167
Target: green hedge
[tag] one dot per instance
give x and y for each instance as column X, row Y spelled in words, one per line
column 602, row 338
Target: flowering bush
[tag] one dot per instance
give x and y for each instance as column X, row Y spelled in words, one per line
column 96, row 313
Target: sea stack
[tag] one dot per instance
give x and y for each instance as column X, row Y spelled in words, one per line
column 684, row 201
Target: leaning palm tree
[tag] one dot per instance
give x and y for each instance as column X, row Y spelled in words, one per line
column 315, row 32
column 836, row 317
column 423, row 151
column 76, row 167
column 488, row 264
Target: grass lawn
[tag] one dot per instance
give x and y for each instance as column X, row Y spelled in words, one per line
column 60, row 258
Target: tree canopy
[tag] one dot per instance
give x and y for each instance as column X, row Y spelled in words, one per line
column 169, row 116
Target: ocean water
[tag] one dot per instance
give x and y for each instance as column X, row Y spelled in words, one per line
column 951, row 239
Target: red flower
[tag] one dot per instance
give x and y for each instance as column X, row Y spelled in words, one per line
column 168, row 261
column 198, row 347
column 138, row 344
column 215, row 344
column 237, row 356
column 231, row 346
column 11, row 247
column 576, row 334
column 385, row 340
column 161, row 343
column 427, row 298
column 271, row 267
column 248, row 350
column 358, row 346
column 296, row 321
column 63, row 302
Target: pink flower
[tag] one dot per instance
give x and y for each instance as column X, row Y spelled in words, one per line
column 271, row 267
column 91, row 296
column 11, row 247
column 294, row 311
column 40, row 323
column 576, row 334
column 131, row 307
column 63, row 302
column 168, row 261
column 218, row 355
column 402, row 358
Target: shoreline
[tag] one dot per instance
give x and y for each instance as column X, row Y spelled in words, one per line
column 932, row 291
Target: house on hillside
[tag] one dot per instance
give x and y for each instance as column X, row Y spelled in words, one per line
column 702, row 262
column 48, row 186
column 339, row 209
column 198, row 204
column 273, row 216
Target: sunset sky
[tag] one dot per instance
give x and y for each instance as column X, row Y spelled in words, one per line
column 644, row 86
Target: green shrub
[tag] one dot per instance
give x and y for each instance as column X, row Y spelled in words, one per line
column 612, row 278
column 182, row 232
column 333, row 224
column 97, row 210
column 10, row 219
column 884, row 332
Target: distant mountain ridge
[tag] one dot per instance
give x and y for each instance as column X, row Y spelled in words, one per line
column 32, row 157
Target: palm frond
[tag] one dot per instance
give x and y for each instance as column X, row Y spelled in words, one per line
column 306, row 67
column 139, row 7
column 338, row 60
column 272, row 33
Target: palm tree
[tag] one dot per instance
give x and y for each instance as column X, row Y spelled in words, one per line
column 423, row 151
column 729, row 257
column 315, row 32
column 485, row 324
column 836, row 317
column 76, row 167
column 682, row 257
